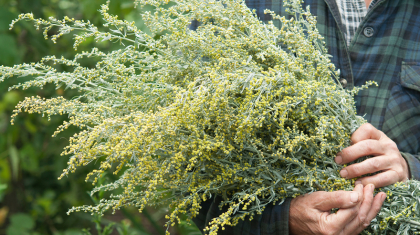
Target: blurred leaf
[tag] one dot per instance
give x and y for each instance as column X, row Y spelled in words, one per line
column 20, row 224
column 6, row 18
column 67, row 4
column 29, row 157
column 90, row 8
column 4, row 123
column 22, row 220
column 108, row 229
column 124, row 227
column 72, row 232
column 48, row 12
column 14, row 160
column 153, row 222
column 48, row 203
column 4, row 171
column 115, row 7
column 11, row 98
column 128, row 5
column 9, row 50
column 3, row 211
column 139, row 226
column 30, row 126
column 13, row 134
column 185, row 228
column 15, row 230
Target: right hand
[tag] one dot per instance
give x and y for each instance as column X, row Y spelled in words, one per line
column 311, row 213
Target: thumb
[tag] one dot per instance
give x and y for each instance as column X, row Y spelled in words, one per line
column 339, row 199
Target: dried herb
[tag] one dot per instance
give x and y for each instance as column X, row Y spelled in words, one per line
column 238, row 108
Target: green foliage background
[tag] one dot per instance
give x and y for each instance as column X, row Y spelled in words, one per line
column 32, row 200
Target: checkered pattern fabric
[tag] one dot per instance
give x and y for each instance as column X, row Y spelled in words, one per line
column 352, row 13
column 385, row 48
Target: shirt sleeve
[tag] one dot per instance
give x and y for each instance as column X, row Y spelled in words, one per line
column 273, row 220
column 413, row 164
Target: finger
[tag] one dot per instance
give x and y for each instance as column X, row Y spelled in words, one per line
column 344, row 215
column 339, row 199
column 367, row 202
column 360, row 149
column 365, row 132
column 370, row 165
column 380, row 180
column 374, row 210
column 359, row 222
column 377, row 203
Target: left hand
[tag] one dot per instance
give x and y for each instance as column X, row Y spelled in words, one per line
column 387, row 161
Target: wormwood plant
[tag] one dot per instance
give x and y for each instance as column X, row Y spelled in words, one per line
column 237, row 108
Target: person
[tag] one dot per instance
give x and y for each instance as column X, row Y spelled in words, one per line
column 375, row 40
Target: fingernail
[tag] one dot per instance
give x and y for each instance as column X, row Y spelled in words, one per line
column 357, row 182
column 383, row 197
column 354, row 196
column 344, row 173
column 338, row 159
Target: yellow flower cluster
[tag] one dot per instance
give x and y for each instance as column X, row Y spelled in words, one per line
column 236, row 108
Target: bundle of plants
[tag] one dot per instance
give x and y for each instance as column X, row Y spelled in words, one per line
column 237, row 108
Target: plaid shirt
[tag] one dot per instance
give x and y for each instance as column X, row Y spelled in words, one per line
column 385, row 48
column 352, row 14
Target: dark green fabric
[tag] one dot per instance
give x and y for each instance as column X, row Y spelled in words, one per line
column 390, row 56
column 274, row 220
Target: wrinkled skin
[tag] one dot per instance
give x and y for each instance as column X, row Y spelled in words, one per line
column 311, row 213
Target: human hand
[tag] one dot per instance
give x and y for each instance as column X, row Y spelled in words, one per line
column 311, row 213
column 387, row 161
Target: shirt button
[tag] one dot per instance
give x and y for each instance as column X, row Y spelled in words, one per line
column 343, row 82
column 368, row 32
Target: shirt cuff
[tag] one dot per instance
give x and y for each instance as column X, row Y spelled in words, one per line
column 413, row 165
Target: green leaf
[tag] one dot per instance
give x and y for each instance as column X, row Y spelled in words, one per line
column 14, row 161
column 9, row 50
column 66, row 4
column 6, row 18
column 16, row 230
column 4, row 171
column 30, row 126
column 48, row 202
column 108, row 229
column 11, row 98
column 4, row 123
column 23, row 221
column 29, row 157
column 3, row 188
column 89, row 8
column 74, row 232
